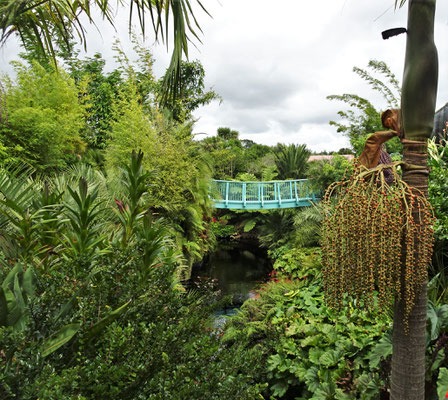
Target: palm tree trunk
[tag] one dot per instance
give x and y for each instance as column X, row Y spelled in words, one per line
column 418, row 105
column 409, row 345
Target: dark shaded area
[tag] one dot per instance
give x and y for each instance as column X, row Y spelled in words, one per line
column 238, row 267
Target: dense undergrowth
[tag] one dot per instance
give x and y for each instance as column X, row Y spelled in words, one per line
column 310, row 351
column 94, row 249
column 91, row 306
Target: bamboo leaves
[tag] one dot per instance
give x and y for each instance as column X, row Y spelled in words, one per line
column 46, row 21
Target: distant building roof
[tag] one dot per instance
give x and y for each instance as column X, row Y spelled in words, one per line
column 320, row 158
column 440, row 120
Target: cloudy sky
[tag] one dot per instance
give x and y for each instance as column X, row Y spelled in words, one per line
column 274, row 63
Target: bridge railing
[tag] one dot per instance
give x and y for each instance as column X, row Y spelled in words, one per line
column 259, row 195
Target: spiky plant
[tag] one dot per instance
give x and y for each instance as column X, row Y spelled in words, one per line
column 291, row 161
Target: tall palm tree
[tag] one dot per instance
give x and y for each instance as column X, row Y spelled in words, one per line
column 418, row 105
column 49, row 20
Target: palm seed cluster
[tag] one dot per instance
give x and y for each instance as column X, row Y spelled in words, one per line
column 371, row 231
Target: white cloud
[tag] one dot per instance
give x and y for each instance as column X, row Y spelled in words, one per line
column 275, row 66
column 274, row 63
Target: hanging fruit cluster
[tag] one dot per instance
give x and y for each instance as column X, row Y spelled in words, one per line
column 371, row 232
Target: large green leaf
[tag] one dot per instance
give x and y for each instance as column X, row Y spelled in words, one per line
column 59, row 338
column 438, row 318
column 100, row 325
column 12, row 310
column 331, row 357
column 15, row 291
column 312, row 379
column 442, row 383
column 369, row 386
column 249, row 225
column 21, row 305
column 28, row 282
column 9, row 280
column 325, row 391
column 381, row 350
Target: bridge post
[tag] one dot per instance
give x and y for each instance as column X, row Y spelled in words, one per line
column 295, row 191
column 279, row 195
column 227, row 193
column 262, row 195
column 244, row 194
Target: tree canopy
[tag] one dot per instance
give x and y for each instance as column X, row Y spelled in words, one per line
column 48, row 21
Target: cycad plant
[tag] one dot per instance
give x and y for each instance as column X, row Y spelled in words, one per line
column 291, row 161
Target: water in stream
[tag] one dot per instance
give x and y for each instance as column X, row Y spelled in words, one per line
column 239, row 268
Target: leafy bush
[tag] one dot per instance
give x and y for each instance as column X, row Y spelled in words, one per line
column 308, row 351
column 438, row 186
column 291, row 161
column 324, row 173
column 44, row 118
column 222, row 229
column 92, row 305
column 438, row 196
column 180, row 183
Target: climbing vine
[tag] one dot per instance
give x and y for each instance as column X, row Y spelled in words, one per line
column 372, row 230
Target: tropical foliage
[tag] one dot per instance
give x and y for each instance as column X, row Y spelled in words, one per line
column 306, row 355
column 363, row 118
column 324, row 172
column 98, row 239
column 291, row 161
column 44, row 119
column 49, row 22
column 230, row 157
column 437, row 188
column 90, row 294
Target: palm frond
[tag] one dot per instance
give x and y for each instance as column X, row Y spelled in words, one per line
column 17, row 185
column 291, row 161
column 46, row 20
column 307, row 225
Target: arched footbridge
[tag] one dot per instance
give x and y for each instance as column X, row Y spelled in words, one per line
column 262, row 195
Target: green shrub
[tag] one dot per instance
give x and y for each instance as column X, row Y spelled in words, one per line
column 44, row 119
column 107, row 315
column 308, row 351
column 324, row 173
column 222, row 229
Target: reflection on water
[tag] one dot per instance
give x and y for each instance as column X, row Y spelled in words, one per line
column 238, row 268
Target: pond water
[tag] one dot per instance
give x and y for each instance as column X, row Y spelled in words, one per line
column 239, row 268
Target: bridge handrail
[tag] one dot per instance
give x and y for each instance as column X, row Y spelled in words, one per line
column 284, row 180
column 263, row 194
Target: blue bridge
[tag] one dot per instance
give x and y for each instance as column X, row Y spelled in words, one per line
column 262, row 195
